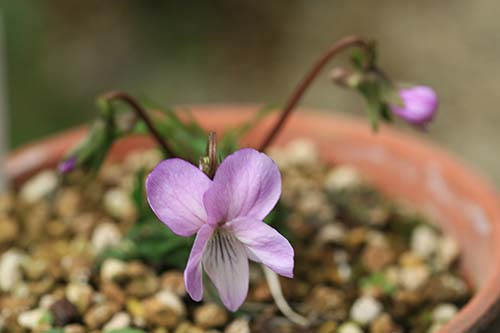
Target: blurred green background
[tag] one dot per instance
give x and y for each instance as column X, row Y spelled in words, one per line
column 61, row 54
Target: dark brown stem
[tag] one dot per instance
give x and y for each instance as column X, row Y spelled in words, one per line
column 141, row 113
column 299, row 91
column 212, row 153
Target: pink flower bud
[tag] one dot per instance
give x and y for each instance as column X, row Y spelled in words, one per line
column 67, row 165
column 419, row 105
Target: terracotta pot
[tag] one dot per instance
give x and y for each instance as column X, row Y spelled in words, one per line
column 404, row 167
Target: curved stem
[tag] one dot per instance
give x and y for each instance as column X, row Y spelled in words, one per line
column 299, row 91
column 141, row 113
column 275, row 288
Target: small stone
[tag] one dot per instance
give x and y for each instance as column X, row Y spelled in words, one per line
column 142, row 286
column 173, row 281
column 98, row 315
column 374, row 258
column 239, row 325
column 384, row 324
column 164, row 309
column 10, row 269
column 113, row 292
column 118, row 204
column 137, row 310
column 46, row 301
column 349, row 327
column 328, row 327
column 31, row 319
column 186, row 327
column 410, row 259
column 447, row 252
column 105, row 235
column 341, row 178
column 6, row 203
column 80, row 294
column 356, row 237
column 74, row 328
column 67, row 203
column 365, row 309
column 9, row 230
column 168, row 298
column 311, row 203
column 118, row 321
column 413, row 278
column 35, row 268
column 446, row 288
column 325, row 299
column 444, row 312
column 333, row 233
column 39, row 186
column 113, row 270
column 64, row 312
column 302, row 152
column 424, row 241
column 210, row 315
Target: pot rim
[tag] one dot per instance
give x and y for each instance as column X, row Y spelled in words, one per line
column 28, row 159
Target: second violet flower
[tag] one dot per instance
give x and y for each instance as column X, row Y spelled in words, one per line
column 226, row 214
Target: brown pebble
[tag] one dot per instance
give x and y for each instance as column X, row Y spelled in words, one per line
column 98, row 315
column 64, row 312
column 173, row 281
column 74, row 328
column 376, row 257
column 210, row 315
column 113, row 292
column 9, row 230
column 384, row 324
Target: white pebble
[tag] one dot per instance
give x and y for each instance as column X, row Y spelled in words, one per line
column 424, row 241
column 302, row 152
column 172, row 301
column 349, row 327
column 341, row 178
column 10, row 269
column 118, row 321
column 39, row 186
column 447, row 252
column 119, row 204
column 31, row 319
column 239, row 325
column 112, row 269
column 443, row 313
column 365, row 309
column 105, row 235
column 331, row 233
column 46, row 301
column 414, row 277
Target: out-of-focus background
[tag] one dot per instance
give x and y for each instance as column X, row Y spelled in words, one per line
column 61, row 54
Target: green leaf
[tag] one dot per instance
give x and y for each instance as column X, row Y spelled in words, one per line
column 139, row 196
column 47, row 318
column 378, row 280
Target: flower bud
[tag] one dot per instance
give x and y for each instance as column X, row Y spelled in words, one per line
column 419, row 105
column 67, row 165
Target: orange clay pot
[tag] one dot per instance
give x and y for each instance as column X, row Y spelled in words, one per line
column 403, row 167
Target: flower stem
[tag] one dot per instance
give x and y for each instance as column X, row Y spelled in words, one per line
column 304, row 84
column 275, row 287
column 210, row 162
column 141, row 113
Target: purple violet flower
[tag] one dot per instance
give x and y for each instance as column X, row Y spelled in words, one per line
column 67, row 165
column 226, row 214
column 419, row 105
